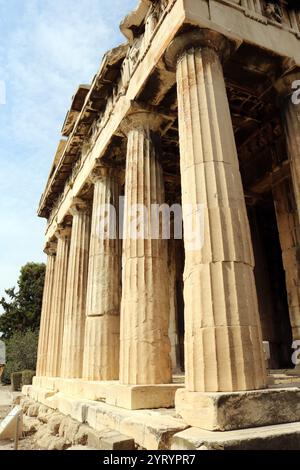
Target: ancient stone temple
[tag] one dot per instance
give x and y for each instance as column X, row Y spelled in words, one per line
column 173, row 343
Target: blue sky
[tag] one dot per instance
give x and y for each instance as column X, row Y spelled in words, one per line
column 47, row 48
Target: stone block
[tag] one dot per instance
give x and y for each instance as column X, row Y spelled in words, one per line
column 113, row 440
column 33, row 410
column 71, row 406
column 139, row 397
column 30, row 425
column 224, row 411
column 68, row 429
column 109, row 440
column 279, row 437
column 150, row 429
column 25, row 403
column 81, row 437
column 54, row 423
column 94, row 437
column 50, row 442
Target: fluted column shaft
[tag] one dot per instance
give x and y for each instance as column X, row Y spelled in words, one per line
column 102, row 335
column 144, row 341
column 58, row 303
column 289, row 235
column 42, row 356
column 291, row 120
column 173, row 326
column 74, row 322
column 223, row 343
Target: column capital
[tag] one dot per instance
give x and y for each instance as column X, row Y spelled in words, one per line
column 286, row 85
column 145, row 117
column 101, row 172
column 199, row 39
column 79, row 206
column 50, row 248
column 63, row 231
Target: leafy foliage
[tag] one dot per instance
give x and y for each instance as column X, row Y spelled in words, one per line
column 19, row 324
column 22, row 309
column 21, row 353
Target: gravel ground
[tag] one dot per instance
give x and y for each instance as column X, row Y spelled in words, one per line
column 5, row 407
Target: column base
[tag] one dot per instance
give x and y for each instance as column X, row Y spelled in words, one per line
column 86, row 389
column 140, row 397
column 225, row 411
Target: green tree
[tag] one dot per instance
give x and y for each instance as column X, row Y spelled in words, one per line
column 21, row 353
column 22, row 308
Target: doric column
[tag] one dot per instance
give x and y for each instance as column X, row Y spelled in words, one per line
column 42, row 356
column 74, row 322
column 173, row 324
column 144, row 341
column 289, row 234
column 58, row 302
column 223, row 343
column 102, row 333
column 290, row 108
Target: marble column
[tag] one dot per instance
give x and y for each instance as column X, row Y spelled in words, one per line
column 74, row 322
column 42, row 356
column 223, row 341
column 290, row 107
column 56, row 326
column 289, row 235
column 102, row 333
column 144, row 341
column 173, row 327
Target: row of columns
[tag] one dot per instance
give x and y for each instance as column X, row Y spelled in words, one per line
column 97, row 328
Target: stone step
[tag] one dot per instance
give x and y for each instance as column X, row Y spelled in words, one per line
column 150, row 429
column 108, row 439
column 279, row 437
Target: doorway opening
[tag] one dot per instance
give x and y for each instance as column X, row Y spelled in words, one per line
column 270, row 282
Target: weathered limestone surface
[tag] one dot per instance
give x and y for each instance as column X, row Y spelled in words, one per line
column 224, row 411
column 142, row 397
column 151, row 429
column 291, row 120
column 102, row 334
column 46, row 311
column 144, row 341
column 109, row 440
column 223, row 343
column 289, row 234
column 88, row 389
column 56, row 326
column 173, row 328
column 279, row 437
column 74, row 322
